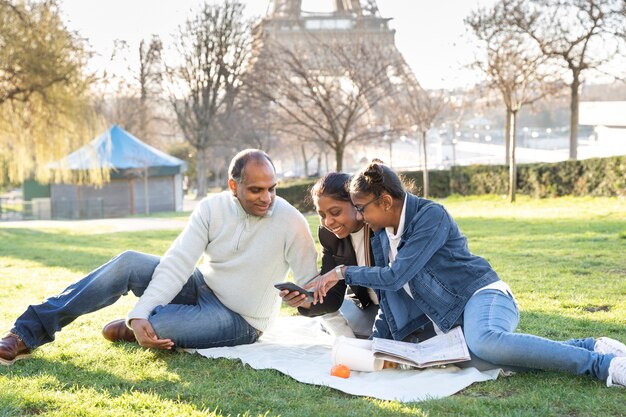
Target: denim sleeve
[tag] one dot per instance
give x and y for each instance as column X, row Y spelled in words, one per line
column 429, row 232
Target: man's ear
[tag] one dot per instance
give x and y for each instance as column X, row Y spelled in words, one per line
column 233, row 186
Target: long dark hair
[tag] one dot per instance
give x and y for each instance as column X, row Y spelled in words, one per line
column 333, row 185
column 376, row 179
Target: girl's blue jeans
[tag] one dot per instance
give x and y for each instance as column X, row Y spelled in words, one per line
column 195, row 318
column 490, row 319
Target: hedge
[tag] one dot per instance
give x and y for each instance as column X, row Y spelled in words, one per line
column 297, row 194
column 589, row 177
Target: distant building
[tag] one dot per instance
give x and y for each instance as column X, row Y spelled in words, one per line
column 608, row 119
column 143, row 179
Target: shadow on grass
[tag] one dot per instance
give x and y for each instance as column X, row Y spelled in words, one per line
column 79, row 253
column 84, row 252
column 205, row 385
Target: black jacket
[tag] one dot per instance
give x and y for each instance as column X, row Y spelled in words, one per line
column 335, row 252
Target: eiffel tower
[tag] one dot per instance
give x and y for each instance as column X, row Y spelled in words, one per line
column 354, row 30
column 288, row 23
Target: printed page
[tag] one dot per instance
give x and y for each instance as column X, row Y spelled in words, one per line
column 441, row 349
column 444, row 348
column 399, row 350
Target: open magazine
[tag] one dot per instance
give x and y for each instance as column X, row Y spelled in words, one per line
column 369, row 355
column 438, row 350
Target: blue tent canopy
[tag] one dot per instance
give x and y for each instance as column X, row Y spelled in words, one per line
column 124, row 154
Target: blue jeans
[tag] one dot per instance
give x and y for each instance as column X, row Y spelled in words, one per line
column 490, row 319
column 194, row 319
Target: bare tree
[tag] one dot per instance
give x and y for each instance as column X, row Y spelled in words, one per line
column 254, row 124
column 513, row 66
column 421, row 108
column 133, row 96
column 327, row 92
column 214, row 46
column 621, row 30
column 582, row 34
column 150, row 82
column 259, row 125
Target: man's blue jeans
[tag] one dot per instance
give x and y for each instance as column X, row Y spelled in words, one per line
column 490, row 320
column 194, row 319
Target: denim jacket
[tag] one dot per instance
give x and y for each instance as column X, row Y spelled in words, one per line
column 433, row 257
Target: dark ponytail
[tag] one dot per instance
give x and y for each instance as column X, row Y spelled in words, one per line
column 377, row 178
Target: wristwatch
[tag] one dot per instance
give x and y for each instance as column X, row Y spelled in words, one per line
column 339, row 272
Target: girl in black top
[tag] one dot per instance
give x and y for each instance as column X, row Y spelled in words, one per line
column 345, row 240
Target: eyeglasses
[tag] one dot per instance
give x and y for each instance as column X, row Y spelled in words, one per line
column 364, row 206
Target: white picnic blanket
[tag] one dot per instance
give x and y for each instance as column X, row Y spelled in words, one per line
column 297, row 347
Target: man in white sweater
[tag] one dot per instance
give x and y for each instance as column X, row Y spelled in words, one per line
column 249, row 237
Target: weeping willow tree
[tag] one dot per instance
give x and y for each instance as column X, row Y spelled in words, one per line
column 45, row 108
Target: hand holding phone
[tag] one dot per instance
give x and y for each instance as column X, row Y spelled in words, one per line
column 291, row 287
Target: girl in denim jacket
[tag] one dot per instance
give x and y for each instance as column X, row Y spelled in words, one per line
column 425, row 274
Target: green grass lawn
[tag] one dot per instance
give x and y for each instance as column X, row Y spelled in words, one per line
column 564, row 258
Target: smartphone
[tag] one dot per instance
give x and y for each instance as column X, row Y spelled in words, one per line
column 290, row 286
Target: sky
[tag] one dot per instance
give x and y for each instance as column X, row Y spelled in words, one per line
column 429, row 33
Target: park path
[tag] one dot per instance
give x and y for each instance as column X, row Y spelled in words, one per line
column 100, row 225
column 95, row 226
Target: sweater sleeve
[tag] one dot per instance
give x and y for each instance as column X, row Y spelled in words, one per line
column 176, row 265
column 429, row 234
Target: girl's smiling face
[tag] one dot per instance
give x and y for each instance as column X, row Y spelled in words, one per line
column 373, row 210
column 338, row 216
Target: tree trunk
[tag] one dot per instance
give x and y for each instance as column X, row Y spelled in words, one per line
column 146, row 189
column 512, row 117
column 141, row 132
column 507, row 135
column 573, row 123
column 201, row 172
column 339, row 158
column 425, row 164
column 319, row 164
column 305, row 160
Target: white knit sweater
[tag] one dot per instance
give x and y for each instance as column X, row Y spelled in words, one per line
column 244, row 256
